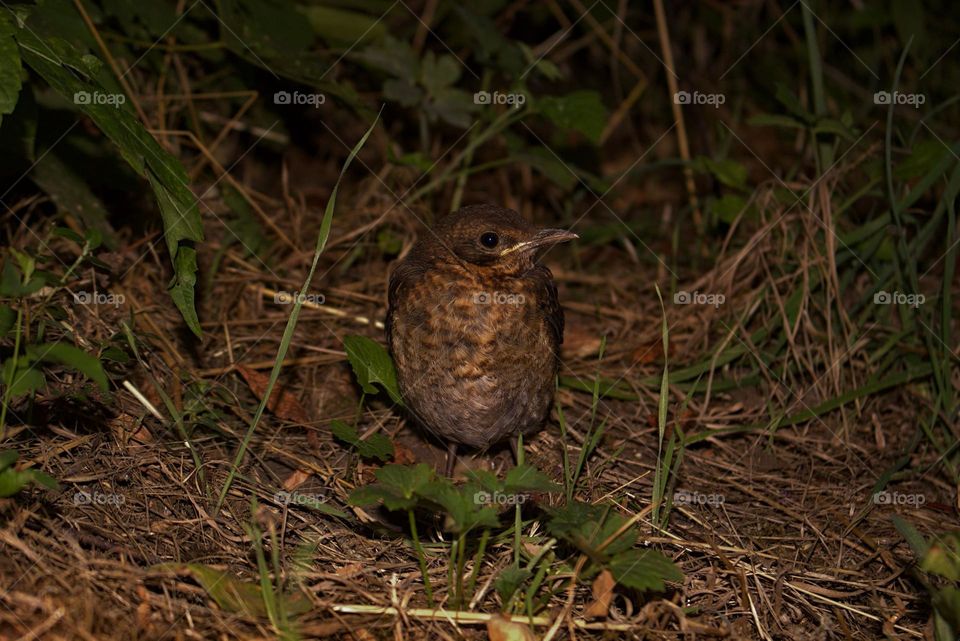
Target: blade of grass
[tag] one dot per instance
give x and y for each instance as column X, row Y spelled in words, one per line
column 292, row 321
column 659, row 480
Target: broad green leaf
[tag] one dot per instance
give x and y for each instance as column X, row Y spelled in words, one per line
column 588, row 526
column 266, row 27
column 727, row 171
column 8, row 318
column 376, row 446
column 13, row 481
column 393, row 56
column 8, row 458
column 24, row 381
column 465, row 505
column 644, row 570
column 72, row 357
column 371, row 363
column 526, row 478
column 548, row 165
column 509, row 581
column 728, row 207
column 943, row 557
column 397, row 486
column 182, row 286
column 438, row 72
column 454, row 106
column 341, row 25
column 58, row 64
column 9, row 67
column 924, row 157
column 403, row 92
column 581, row 111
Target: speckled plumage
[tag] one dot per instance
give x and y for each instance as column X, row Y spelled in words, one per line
column 475, row 332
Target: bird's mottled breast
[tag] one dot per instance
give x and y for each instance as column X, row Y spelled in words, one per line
column 476, row 354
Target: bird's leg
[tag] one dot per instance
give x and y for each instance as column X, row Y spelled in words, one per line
column 515, row 448
column 451, row 459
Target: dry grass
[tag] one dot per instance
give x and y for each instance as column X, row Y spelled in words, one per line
column 785, row 552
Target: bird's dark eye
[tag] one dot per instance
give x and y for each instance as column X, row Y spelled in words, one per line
column 489, row 239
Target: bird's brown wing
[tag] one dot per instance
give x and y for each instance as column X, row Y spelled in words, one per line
column 403, row 277
column 549, row 303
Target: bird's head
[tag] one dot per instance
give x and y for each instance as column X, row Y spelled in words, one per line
column 493, row 238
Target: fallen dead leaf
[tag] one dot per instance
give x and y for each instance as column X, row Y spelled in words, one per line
column 501, row 629
column 282, row 403
column 295, row 480
column 602, row 596
column 403, row 455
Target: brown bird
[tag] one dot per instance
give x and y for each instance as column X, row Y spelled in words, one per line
column 475, row 328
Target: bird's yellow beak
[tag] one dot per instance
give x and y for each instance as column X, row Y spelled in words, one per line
column 543, row 238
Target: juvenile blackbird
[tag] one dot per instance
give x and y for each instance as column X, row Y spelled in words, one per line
column 475, row 328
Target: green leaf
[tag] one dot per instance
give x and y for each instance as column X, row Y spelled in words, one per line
column 728, row 207
column 8, row 458
column 946, row 602
column 775, row 120
column 8, row 318
column 943, row 557
column 644, row 570
column 464, row 505
column 526, row 478
column 397, row 486
column 13, row 481
column 72, row 75
column 438, row 72
column 548, row 165
column 509, row 581
column 182, row 287
column 376, row 446
column 9, row 67
column 371, row 363
column 235, row 595
column 340, row 25
column 833, row 126
column 25, row 380
column 72, row 357
column 403, row 92
column 727, row 171
column 581, row 111
column 924, row 157
column 913, row 537
column 587, row 526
